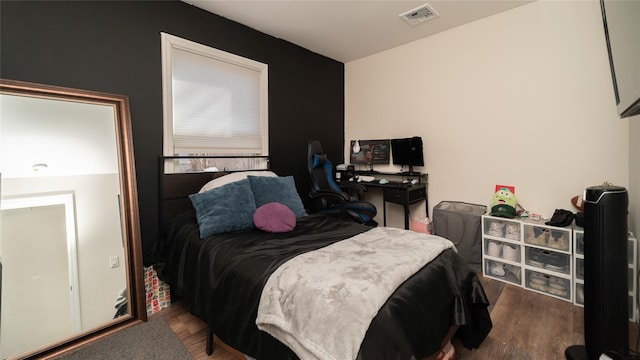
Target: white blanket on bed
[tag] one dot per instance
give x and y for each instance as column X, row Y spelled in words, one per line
column 321, row 303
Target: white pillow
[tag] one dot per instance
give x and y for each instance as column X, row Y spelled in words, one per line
column 234, row 176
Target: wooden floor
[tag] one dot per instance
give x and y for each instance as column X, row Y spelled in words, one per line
column 526, row 325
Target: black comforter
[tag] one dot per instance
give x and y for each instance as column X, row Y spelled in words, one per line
column 222, row 278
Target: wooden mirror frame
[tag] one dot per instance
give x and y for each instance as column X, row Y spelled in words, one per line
column 129, row 207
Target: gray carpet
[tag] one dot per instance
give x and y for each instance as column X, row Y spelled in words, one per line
column 150, row 340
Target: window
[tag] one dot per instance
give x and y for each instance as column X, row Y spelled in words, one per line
column 215, row 104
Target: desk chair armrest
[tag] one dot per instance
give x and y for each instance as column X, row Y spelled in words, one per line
column 351, row 188
column 328, row 193
column 322, row 199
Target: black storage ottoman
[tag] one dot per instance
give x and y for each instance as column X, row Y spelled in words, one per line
column 461, row 223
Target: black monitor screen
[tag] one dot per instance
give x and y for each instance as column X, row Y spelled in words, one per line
column 407, row 151
column 370, row 152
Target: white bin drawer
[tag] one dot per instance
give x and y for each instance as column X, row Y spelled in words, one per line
column 548, row 260
column 502, row 271
column 543, row 236
column 548, row 284
column 503, row 250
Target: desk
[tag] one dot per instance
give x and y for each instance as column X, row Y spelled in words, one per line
column 398, row 193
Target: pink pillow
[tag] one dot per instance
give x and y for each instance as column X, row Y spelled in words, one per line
column 274, row 217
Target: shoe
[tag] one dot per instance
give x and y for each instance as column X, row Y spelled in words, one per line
column 496, row 228
column 514, row 270
column 494, row 248
column 561, row 218
column 538, row 236
column 556, row 291
column 580, row 294
column 556, row 268
column 498, row 270
column 558, row 287
column 512, row 231
column 558, row 240
column 580, row 244
column 538, row 282
column 538, row 257
column 539, row 286
column 511, row 252
column 536, row 263
column 557, row 259
column 580, row 270
column 558, row 283
column 579, row 219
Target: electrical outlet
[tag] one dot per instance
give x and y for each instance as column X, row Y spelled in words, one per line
column 114, row 262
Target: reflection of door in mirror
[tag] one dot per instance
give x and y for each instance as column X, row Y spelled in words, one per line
column 65, row 235
column 27, row 281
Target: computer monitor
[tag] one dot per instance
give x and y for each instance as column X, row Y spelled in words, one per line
column 370, row 152
column 407, row 152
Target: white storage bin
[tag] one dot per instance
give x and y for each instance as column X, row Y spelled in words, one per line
column 580, row 268
column 552, row 238
column 548, row 284
column 548, row 260
column 579, row 242
column 579, row 294
column 502, row 271
column 503, row 250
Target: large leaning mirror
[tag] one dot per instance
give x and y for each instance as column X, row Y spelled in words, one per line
column 70, row 251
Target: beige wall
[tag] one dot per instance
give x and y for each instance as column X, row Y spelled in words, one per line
column 521, row 98
column 634, row 175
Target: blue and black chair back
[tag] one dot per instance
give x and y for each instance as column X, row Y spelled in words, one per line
column 344, row 199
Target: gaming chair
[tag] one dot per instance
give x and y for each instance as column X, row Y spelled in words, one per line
column 345, row 200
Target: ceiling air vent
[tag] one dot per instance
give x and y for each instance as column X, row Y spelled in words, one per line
column 420, row 14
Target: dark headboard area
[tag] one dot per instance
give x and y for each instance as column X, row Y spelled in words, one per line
column 176, row 189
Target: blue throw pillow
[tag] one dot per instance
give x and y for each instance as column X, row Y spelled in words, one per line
column 226, row 208
column 277, row 189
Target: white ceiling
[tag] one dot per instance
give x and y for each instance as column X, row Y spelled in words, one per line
column 349, row 30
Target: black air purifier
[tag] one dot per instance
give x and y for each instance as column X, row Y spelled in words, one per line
column 606, row 295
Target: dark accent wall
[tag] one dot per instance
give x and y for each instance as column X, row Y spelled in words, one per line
column 114, row 46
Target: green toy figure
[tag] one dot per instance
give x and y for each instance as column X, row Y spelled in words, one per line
column 503, row 203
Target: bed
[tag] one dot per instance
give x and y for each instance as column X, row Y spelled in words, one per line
column 225, row 278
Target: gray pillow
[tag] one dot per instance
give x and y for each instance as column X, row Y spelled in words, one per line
column 277, row 189
column 226, row 208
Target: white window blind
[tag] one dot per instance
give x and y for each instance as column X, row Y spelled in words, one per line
column 217, row 102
